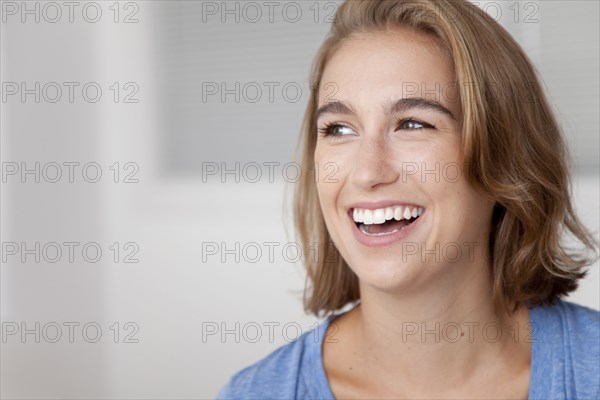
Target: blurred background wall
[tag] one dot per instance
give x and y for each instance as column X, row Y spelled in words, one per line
column 146, row 274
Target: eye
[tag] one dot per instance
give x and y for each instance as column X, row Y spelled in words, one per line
column 412, row 124
column 335, row 130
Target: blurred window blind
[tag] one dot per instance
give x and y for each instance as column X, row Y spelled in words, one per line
column 253, row 77
column 259, row 66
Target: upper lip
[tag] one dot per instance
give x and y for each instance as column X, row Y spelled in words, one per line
column 373, row 205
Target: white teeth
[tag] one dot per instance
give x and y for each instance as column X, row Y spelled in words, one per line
column 389, row 213
column 380, row 215
column 398, row 213
column 368, row 217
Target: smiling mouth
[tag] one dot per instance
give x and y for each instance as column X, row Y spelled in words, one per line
column 385, row 221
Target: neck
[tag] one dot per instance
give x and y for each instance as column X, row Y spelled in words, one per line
column 448, row 334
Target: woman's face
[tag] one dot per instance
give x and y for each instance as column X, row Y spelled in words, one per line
column 389, row 126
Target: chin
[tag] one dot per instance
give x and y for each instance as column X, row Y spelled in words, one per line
column 390, row 275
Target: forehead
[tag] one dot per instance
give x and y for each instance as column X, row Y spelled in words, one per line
column 380, row 66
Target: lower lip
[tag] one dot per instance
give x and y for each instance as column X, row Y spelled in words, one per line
column 383, row 240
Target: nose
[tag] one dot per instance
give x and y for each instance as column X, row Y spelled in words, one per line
column 374, row 164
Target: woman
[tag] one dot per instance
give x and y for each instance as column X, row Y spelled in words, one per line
column 445, row 212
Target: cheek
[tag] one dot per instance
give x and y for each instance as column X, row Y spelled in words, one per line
column 328, row 193
column 329, row 177
column 441, row 153
column 465, row 213
column 429, row 167
column 326, row 196
column 319, row 174
column 440, row 163
column 331, row 167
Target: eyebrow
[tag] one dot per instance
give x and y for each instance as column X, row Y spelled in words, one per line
column 404, row 104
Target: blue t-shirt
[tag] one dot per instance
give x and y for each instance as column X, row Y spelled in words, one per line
column 565, row 360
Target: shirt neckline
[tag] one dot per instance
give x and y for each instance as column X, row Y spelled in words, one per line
column 324, row 390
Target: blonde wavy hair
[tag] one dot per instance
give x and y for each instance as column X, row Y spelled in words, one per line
column 514, row 152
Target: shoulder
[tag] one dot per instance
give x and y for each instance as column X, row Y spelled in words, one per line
column 570, row 341
column 581, row 327
column 571, row 322
column 584, row 318
column 276, row 376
